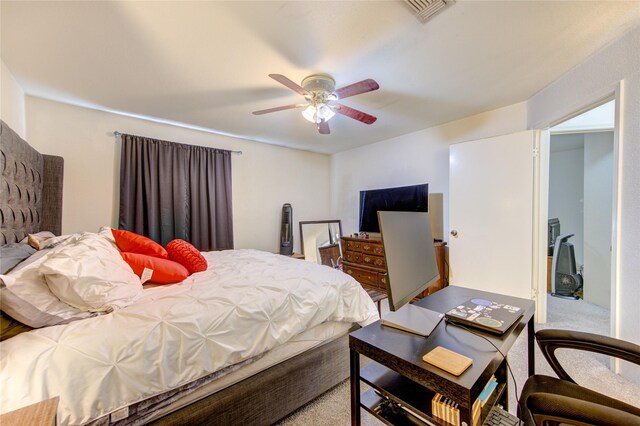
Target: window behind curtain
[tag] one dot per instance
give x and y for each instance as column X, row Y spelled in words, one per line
column 170, row 190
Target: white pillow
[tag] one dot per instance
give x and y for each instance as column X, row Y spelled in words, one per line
column 25, row 296
column 88, row 272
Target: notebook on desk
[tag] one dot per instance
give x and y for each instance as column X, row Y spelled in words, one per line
column 486, row 315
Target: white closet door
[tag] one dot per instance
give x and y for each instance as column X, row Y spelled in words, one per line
column 491, row 214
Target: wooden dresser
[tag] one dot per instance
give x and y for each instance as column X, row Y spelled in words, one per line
column 363, row 259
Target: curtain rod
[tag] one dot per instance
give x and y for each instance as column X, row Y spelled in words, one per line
column 118, row 134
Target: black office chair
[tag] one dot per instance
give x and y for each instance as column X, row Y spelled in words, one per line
column 552, row 401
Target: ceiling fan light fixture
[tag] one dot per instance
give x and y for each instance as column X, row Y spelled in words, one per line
column 320, row 94
column 318, row 113
column 309, row 113
column 324, row 113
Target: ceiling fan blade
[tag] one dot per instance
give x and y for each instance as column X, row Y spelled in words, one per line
column 323, row 127
column 363, row 86
column 354, row 113
column 280, row 108
column 290, row 84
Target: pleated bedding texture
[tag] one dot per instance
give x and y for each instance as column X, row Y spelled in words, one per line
column 246, row 303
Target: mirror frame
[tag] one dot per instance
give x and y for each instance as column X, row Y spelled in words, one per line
column 312, row 222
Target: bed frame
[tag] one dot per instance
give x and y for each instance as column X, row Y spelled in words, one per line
column 32, row 201
column 271, row 394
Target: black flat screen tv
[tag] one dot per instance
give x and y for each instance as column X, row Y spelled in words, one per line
column 412, row 198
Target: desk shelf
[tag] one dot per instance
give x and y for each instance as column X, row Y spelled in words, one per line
column 372, row 402
column 386, row 383
column 397, row 373
column 399, row 388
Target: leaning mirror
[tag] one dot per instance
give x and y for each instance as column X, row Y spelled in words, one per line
column 320, row 241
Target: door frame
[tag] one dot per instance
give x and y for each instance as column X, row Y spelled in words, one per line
column 540, row 222
column 541, row 202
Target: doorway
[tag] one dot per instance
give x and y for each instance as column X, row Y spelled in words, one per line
column 580, row 204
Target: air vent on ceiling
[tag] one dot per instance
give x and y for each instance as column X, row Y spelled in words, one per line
column 425, row 9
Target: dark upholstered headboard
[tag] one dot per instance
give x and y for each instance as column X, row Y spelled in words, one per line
column 31, row 192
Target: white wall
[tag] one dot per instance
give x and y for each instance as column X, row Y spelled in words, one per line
column 598, row 184
column 420, row 157
column 264, row 176
column 594, row 79
column 600, row 118
column 12, row 109
column 566, row 190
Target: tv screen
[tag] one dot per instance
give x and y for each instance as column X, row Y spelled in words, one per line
column 412, row 198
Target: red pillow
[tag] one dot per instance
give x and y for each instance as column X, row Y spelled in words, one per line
column 164, row 271
column 187, row 255
column 134, row 243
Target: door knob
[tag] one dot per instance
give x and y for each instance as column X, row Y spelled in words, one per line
column 454, row 233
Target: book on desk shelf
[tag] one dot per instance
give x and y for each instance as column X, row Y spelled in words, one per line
column 476, row 409
column 445, row 409
column 488, row 390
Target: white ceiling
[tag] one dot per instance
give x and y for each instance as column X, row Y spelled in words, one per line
column 206, row 64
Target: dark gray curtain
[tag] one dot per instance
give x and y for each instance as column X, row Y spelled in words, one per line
column 170, row 190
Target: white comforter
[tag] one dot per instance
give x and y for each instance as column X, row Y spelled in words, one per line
column 246, row 303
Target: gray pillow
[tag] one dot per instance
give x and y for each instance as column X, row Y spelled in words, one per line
column 12, row 254
column 24, row 312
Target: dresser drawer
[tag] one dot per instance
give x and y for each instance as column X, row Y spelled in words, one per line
column 362, row 275
column 372, row 248
column 353, row 257
column 364, row 260
column 374, row 261
column 382, row 281
column 353, row 245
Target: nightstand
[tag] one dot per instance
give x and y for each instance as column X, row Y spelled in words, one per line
column 41, row 413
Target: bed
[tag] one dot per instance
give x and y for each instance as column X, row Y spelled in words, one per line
column 247, row 341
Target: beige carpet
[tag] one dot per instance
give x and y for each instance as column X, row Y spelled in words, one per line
column 333, row 408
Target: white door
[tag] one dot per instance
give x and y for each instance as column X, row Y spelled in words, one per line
column 491, row 188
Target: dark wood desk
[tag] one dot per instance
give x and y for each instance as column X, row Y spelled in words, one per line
column 399, row 368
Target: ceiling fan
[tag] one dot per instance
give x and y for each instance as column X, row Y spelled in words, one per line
column 319, row 90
